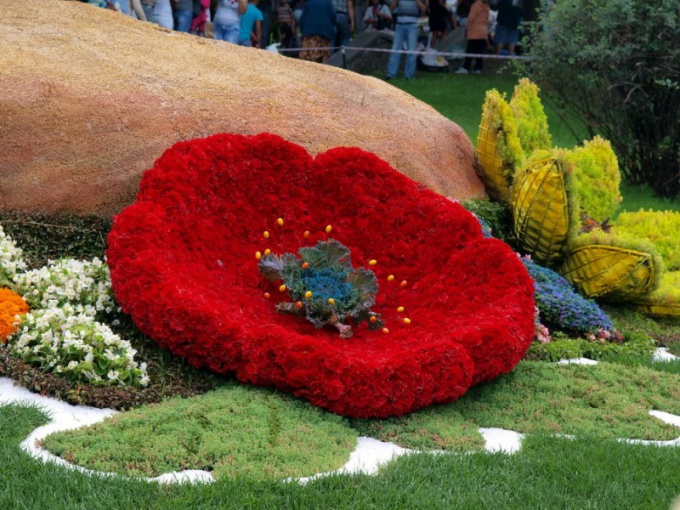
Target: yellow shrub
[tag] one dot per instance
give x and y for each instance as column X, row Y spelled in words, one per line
column 661, row 228
column 532, row 123
column 498, row 148
column 665, row 301
column 596, row 177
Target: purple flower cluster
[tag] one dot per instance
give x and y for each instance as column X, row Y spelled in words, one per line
column 562, row 307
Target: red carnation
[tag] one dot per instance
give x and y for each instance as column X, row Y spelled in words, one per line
column 183, row 265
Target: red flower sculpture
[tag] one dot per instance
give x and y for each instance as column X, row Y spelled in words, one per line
column 183, row 265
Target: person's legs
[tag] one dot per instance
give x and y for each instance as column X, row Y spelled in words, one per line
column 412, row 46
column 341, row 29
column 501, row 37
column 183, row 20
column 231, row 33
column 220, row 31
column 397, row 46
column 477, row 46
column 266, row 10
column 148, row 11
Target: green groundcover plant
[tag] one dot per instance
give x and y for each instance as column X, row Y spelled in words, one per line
column 234, row 431
column 238, row 431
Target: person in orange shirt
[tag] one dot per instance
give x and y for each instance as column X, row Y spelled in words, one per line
column 477, row 34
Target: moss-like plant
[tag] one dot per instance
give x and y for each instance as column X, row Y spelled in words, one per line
column 232, row 432
column 498, row 146
column 603, row 401
column 433, row 428
column 596, row 178
column 532, row 122
column 662, row 228
column 563, row 347
column 606, row 401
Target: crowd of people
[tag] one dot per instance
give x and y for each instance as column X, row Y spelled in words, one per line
column 314, row 29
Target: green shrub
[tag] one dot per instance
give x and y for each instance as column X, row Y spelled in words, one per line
column 44, row 237
column 532, row 123
column 661, row 228
column 563, row 347
column 595, row 178
column 616, row 66
column 496, row 215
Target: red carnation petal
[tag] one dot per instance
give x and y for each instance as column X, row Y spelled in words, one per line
column 183, row 266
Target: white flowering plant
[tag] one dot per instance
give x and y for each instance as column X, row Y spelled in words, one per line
column 68, row 281
column 68, row 340
column 11, row 259
column 61, row 333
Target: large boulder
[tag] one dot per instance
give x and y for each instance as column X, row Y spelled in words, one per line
column 89, row 99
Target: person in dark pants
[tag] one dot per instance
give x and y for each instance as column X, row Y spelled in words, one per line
column 344, row 21
column 507, row 25
column 477, row 33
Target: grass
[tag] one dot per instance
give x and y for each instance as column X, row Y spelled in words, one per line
column 460, row 98
column 641, row 197
column 548, row 472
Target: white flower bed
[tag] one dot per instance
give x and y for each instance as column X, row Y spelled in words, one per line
column 68, row 340
column 11, row 261
column 67, row 281
column 61, row 334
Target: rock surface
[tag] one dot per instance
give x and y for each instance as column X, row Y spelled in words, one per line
column 89, row 99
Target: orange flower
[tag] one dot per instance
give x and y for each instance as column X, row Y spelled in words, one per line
column 11, row 305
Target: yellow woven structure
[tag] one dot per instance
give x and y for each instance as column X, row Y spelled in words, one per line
column 540, row 210
column 492, row 168
column 609, row 272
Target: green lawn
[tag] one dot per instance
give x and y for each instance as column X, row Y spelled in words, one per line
column 548, row 472
column 460, row 98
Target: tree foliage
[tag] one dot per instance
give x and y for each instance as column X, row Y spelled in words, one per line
column 616, row 65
